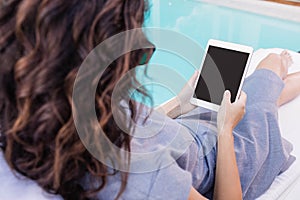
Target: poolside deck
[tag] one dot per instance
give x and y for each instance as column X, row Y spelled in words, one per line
column 288, row 2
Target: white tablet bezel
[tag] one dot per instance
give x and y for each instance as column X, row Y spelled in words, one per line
column 225, row 45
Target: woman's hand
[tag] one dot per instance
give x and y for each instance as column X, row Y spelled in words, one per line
column 230, row 114
column 181, row 103
column 186, row 94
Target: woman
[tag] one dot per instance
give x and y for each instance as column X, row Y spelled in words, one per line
column 42, row 45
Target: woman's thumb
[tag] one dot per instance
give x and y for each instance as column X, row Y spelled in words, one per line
column 227, row 96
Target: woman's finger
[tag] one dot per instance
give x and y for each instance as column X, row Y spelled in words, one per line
column 193, row 79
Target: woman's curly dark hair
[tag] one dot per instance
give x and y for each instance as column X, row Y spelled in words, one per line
column 42, row 45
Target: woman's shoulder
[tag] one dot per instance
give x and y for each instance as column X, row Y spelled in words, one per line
column 157, row 143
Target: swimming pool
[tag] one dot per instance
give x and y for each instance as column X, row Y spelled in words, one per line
column 202, row 21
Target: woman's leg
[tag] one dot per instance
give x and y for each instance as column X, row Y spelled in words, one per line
column 279, row 63
column 261, row 152
column 291, row 89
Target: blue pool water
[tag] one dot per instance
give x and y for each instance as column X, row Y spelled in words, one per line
column 202, row 21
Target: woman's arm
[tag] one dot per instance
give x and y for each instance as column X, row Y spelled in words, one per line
column 171, row 108
column 227, row 183
column 195, row 195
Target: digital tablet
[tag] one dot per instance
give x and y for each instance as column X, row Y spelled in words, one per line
column 224, row 67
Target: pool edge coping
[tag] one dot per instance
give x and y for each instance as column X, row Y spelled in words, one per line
column 267, row 8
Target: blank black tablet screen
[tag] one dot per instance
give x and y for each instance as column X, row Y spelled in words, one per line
column 222, row 70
